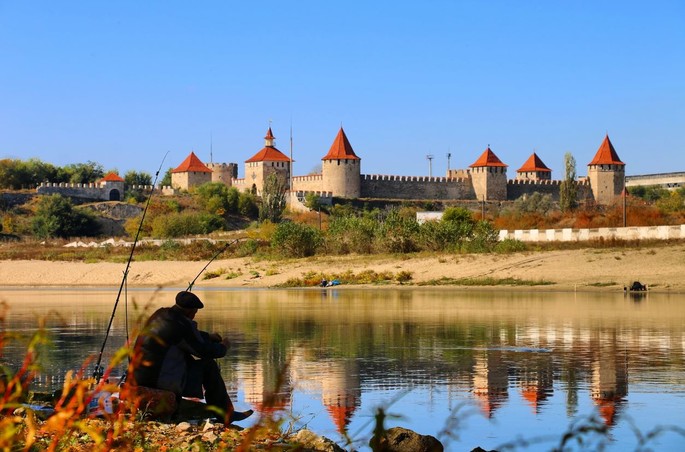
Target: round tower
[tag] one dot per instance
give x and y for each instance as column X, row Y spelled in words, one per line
column 341, row 169
column 223, row 172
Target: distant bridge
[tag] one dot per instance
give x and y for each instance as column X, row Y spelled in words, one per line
column 665, row 180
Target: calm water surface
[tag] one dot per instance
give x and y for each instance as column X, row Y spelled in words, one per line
column 471, row 368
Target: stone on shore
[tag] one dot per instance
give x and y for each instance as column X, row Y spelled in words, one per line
column 398, row 439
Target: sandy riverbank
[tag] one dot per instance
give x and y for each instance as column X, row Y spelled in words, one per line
column 661, row 268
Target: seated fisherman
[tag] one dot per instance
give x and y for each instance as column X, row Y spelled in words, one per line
column 177, row 357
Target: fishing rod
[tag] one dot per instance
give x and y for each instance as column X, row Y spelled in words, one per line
column 192, row 283
column 99, row 371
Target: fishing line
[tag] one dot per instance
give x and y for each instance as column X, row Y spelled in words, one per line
column 192, row 283
column 99, row 371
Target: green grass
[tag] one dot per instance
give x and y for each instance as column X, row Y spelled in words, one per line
column 488, row 281
column 313, row 279
column 604, row 284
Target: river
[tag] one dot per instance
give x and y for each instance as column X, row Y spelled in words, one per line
column 473, row 368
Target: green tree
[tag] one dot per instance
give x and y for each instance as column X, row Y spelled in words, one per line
column 273, row 199
column 132, row 178
column 56, row 217
column 568, row 191
column 84, row 173
column 311, row 201
column 247, row 205
column 213, row 197
column 166, row 180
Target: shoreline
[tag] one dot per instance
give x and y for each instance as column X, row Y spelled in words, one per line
column 660, row 268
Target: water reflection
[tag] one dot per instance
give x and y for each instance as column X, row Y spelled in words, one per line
column 528, row 362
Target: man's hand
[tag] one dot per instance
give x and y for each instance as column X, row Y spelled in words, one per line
column 215, row 337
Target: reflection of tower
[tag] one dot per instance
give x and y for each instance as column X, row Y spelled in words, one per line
column 265, row 388
column 537, row 379
column 341, row 393
column 609, row 380
column 490, row 382
column 338, row 381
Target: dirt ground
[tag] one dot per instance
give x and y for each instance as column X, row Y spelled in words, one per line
column 662, row 268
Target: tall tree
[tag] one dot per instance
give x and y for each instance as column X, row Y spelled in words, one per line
column 273, row 199
column 84, row 173
column 132, row 178
column 568, row 191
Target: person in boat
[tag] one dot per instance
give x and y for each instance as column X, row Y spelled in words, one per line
column 174, row 355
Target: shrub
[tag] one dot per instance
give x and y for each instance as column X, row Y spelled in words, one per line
column 57, row 217
column 247, row 205
column 397, row 234
column 295, row 240
column 509, row 246
column 484, row 238
column 183, row 224
column 349, row 234
column 247, row 248
column 213, row 198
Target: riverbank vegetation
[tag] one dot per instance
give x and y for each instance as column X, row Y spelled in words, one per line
column 39, row 227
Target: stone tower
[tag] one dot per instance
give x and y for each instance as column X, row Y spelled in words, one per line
column 534, row 169
column 606, row 173
column 489, row 177
column 268, row 160
column 341, row 169
column 190, row 173
column 223, row 172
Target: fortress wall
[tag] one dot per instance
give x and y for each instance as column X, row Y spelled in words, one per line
column 295, row 200
column 85, row 191
column 517, row 188
column 666, row 180
column 312, row 183
column 580, row 235
column 412, row 187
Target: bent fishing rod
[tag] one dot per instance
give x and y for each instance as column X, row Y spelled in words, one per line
column 99, row 371
column 192, row 283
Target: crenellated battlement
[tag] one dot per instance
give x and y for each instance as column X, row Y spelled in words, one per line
column 301, row 194
column 533, row 182
column 308, row 178
column 392, row 178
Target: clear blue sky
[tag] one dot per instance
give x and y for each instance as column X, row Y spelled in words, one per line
column 123, row 82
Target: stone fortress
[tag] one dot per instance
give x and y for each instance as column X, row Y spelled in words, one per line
column 341, row 177
column 485, row 180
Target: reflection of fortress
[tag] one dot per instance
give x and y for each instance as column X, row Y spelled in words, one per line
column 485, row 179
column 338, row 382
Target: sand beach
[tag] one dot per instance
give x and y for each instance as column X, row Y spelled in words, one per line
column 661, row 267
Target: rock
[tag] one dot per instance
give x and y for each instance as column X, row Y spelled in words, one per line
column 311, row 441
column 183, row 427
column 209, row 437
column 398, row 439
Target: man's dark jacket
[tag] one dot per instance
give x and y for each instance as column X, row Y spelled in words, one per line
column 168, row 343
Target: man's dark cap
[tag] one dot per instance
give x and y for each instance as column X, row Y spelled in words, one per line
column 188, row 300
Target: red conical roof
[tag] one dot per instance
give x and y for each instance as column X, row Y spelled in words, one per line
column 606, row 154
column 487, row 158
column 341, row 148
column 112, row 177
column 269, row 153
column 192, row 164
column 534, row 164
column 341, row 416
